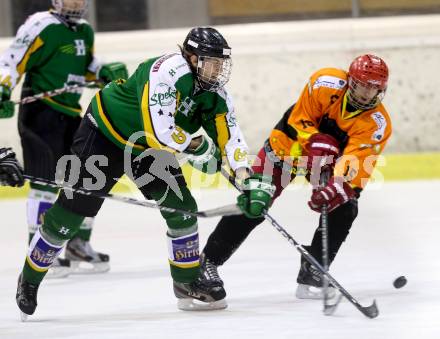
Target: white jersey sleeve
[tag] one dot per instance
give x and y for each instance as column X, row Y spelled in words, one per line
column 27, row 41
column 162, row 101
column 230, row 138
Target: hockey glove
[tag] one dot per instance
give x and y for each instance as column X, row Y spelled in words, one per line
column 322, row 150
column 113, row 71
column 256, row 197
column 6, row 105
column 206, row 157
column 11, row 172
column 336, row 193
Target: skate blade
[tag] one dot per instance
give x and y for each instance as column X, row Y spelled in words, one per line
column 83, row 267
column 313, row 293
column 189, row 304
column 23, row 317
column 58, row 272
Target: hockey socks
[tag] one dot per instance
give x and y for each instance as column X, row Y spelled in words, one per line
column 184, row 257
column 85, row 229
column 59, row 226
column 39, row 201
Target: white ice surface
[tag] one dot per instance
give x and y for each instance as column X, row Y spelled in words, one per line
column 397, row 233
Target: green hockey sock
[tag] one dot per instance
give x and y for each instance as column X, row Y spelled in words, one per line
column 59, row 226
column 183, row 238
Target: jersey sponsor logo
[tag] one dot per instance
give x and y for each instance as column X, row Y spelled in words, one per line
column 161, row 61
column 80, row 47
column 21, row 42
column 381, row 123
column 42, row 254
column 163, row 95
column 330, row 82
column 184, row 251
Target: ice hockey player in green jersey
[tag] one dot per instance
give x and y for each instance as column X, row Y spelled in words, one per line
column 53, row 49
column 138, row 126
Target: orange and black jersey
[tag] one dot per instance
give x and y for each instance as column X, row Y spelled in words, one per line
column 322, row 108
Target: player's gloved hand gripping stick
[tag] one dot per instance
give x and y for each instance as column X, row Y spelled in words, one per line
column 369, row 311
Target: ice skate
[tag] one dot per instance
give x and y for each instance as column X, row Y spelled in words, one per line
column 310, row 283
column 60, row 268
column 209, row 271
column 200, row 295
column 26, row 297
column 84, row 259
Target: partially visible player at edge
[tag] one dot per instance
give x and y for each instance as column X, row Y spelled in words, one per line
column 53, row 48
column 339, row 115
column 153, row 115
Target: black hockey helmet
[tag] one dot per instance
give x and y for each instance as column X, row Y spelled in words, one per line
column 213, row 53
column 206, row 41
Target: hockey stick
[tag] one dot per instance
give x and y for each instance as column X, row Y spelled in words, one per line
column 215, row 212
column 328, row 309
column 369, row 311
column 55, row 92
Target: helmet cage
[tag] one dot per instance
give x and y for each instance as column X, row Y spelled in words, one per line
column 69, row 10
column 212, row 72
column 362, row 95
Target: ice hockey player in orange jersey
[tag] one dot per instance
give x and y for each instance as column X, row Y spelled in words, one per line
column 338, row 121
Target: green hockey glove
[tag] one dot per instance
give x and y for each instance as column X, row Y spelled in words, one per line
column 206, row 157
column 113, row 71
column 256, row 197
column 6, row 105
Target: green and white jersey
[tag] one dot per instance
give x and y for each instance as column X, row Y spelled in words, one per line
column 51, row 53
column 160, row 106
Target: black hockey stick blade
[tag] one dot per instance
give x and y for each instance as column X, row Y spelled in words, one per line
column 371, row 311
column 329, row 309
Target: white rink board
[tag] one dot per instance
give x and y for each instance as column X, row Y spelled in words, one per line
column 272, row 62
column 393, row 235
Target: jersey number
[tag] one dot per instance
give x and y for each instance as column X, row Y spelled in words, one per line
column 179, row 137
column 306, row 123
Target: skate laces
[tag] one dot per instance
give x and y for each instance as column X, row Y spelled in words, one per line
column 314, row 273
column 211, row 271
column 30, row 291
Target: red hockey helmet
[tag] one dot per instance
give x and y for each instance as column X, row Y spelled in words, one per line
column 367, row 81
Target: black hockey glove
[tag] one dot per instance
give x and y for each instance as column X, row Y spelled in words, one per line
column 11, row 172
